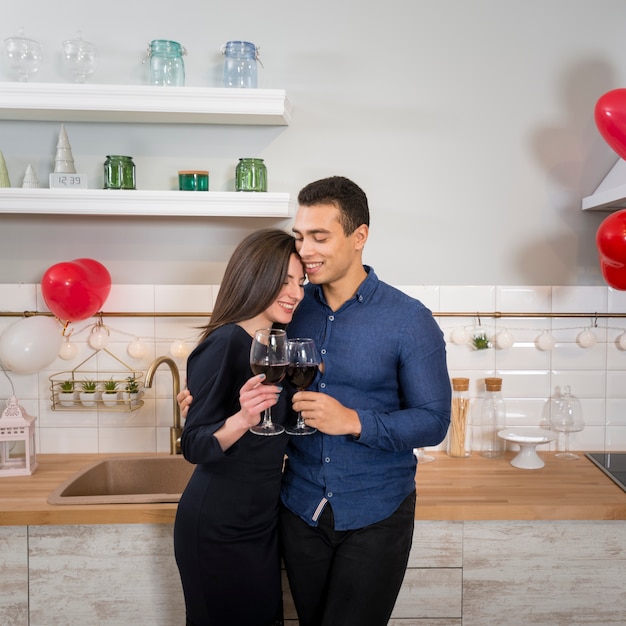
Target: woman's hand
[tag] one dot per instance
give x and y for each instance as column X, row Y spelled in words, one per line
column 255, row 397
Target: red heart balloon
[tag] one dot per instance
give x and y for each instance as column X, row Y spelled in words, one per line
column 76, row 290
column 610, row 116
column 611, row 244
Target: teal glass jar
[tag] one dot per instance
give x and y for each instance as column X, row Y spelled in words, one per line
column 167, row 67
column 240, row 64
column 193, row 180
column 119, row 172
column 251, row 175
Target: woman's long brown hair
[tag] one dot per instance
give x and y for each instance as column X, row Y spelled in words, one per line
column 253, row 278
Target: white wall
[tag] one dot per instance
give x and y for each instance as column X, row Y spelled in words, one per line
column 469, row 123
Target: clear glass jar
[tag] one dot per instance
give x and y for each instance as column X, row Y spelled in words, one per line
column 251, row 175
column 240, row 64
column 119, row 172
column 167, row 67
column 459, row 442
column 493, row 419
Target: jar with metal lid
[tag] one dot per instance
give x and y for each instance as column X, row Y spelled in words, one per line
column 459, row 442
column 119, row 172
column 240, row 64
column 167, row 67
column 251, row 175
column 493, row 419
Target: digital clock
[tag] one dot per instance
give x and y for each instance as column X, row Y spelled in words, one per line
column 59, row 180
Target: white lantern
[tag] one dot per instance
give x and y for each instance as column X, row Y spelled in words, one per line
column 17, row 430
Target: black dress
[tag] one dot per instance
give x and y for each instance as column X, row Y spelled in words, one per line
column 225, row 534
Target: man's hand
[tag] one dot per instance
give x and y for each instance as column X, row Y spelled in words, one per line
column 326, row 414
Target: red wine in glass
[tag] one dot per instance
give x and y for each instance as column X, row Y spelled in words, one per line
column 273, row 373
column 301, row 371
column 269, row 355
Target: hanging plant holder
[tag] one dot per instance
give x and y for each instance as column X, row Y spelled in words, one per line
column 119, row 389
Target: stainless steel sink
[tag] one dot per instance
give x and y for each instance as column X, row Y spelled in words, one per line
column 126, row 480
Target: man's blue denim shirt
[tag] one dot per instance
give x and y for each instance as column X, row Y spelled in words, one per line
column 384, row 356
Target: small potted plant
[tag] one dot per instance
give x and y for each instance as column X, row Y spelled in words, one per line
column 88, row 393
column 131, row 390
column 109, row 395
column 66, row 393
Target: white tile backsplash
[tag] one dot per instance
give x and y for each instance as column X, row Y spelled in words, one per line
column 596, row 375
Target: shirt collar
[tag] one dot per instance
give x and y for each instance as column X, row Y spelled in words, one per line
column 363, row 293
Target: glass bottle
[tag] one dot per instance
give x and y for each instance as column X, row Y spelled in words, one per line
column 251, row 175
column 119, row 172
column 167, row 67
column 240, row 64
column 493, row 419
column 459, row 443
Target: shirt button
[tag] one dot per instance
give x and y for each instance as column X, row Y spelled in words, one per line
column 322, row 385
column 331, row 318
column 329, row 494
column 327, row 459
column 323, row 350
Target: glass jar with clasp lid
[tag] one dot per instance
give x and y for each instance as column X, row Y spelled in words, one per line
column 167, row 67
column 240, row 64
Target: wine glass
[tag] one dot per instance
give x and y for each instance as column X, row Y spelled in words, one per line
column 301, row 372
column 566, row 417
column 422, row 457
column 269, row 356
column 24, row 55
column 79, row 58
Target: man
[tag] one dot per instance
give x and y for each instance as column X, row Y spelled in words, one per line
column 348, row 496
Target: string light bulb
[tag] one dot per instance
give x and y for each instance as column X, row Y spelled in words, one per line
column 68, row 350
column 587, row 338
column 545, row 341
column 504, row 339
column 460, row 336
column 621, row 341
column 136, row 349
column 99, row 337
column 179, row 349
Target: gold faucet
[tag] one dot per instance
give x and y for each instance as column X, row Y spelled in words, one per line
column 176, row 430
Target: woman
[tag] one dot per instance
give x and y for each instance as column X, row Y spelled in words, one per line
column 225, row 535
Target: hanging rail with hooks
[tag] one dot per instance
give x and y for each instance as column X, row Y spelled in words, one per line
column 479, row 314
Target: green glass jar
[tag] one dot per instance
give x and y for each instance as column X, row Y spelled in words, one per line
column 119, row 172
column 251, row 175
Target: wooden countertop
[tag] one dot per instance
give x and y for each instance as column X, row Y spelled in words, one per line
column 448, row 489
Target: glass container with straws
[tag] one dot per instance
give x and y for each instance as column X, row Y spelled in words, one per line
column 459, row 443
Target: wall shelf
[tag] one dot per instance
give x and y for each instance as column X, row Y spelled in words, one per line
column 73, row 102
column 610, row 195
column 108, row 202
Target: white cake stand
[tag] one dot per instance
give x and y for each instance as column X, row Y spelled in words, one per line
column 528, row 439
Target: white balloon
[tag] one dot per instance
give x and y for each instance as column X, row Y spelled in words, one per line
column 31, row 344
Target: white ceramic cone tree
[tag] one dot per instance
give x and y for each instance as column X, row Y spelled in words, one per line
column 30, row 180
column 64, row 159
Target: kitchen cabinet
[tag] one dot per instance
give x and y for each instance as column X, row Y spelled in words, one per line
column 471, row 572
column 138, row 104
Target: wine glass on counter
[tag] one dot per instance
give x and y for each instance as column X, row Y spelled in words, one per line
column 422, row 457
column 301, row 371
column 269, row 355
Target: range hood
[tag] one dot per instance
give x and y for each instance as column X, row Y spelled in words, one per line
column 611, row 192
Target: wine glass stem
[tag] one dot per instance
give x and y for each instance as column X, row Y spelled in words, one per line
column 267, row 419
column 300, row 421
